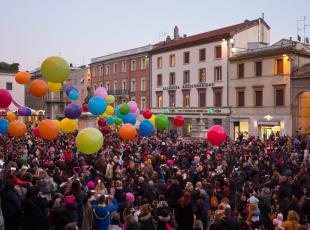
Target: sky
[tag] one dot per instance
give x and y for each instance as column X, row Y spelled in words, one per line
column 78, row 30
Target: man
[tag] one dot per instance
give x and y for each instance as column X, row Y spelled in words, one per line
column 228, row 222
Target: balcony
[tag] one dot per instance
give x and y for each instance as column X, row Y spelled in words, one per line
column 122, row 92
column 50, row 99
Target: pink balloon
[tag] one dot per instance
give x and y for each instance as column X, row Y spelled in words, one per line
column 51, row 150
column 216, row 135
column 101, row 92
column 36, row 132
column 5, row 98
column 137, row 113
column 133, row 106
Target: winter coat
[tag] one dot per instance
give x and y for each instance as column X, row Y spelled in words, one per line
column 184, row 217
column 33, row 214
column 147, row 222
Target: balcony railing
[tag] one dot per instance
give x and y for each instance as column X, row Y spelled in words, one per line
column 118, row 92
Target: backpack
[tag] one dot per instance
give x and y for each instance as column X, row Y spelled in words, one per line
column 214, row 201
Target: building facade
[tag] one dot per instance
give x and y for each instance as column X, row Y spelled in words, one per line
column 190, row 73
column 126, row 75
column 260, row 88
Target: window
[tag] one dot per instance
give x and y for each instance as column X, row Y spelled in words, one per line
column 159, row 80
column 186, row 58
column 115, row 85
column 186, row 78
column 172, row 60
column 107, row 85
column 101, row 71
column 143, row 84
column 159, row 98
column 101, row 85
column 218, row 52
column 217, row 97
column 240, row 98
column 258, row 98
column 143, row 103
column 94, row 72
column 159, row 62
column 202, row 54
column 143, row 63
column 202, row 98
column 107, row 69
column 258, row 68
column 9, row 86
column 124, row 66
column 217, row 121
column 172, row 100
column 133, row 85
column 133, row 98
column 279, row 66
column 202, row 75
column 186, row 99
column 218, row 73
column 279, row 97
column 115, row 68
column 124, row 85
column 241, row 70
column 133, row 65
column 172, row 78
column 95, row 87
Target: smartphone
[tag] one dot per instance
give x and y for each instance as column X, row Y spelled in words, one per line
column 99, row 181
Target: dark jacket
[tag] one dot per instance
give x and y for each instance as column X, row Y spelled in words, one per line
column 228, row 223
column 147, row 222
column 184, row 217
column 33, row 214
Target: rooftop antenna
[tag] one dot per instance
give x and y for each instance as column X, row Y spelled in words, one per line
column 299, row 29
column 306, row 39
column 162, row 34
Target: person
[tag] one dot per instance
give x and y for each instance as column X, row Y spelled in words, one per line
column 145, row 218
column 228, row 222
column 218, row 215
column 102, row 212
column 184, row 213
column 292, row 222
column 198, row 225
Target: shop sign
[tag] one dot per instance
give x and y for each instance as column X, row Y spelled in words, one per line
column 171, row 87
column 198, row 85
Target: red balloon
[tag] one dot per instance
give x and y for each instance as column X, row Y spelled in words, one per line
column 85, row 107
column 36, row 132
column 147, row 114
column 216, row 135
column 102, row 123
column 178, row 120
column 5, row 98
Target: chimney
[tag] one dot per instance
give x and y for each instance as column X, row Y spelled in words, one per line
column 176, row 33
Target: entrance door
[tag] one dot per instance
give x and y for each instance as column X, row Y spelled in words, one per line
column 266, row 131
column 236, row 129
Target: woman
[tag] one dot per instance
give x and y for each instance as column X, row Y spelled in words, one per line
column 79, row 199
column 184, row 213
column 145, row 218
column 100, row 188
column 292, row 222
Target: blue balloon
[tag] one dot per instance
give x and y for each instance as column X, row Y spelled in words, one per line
column 117, row 112
column 29, row 112
column 73, row 111
column 97, row 105
column 3, row 126
column 129, row 118
column 110, row 120
column 70, row 88
column 146, row 128
column 74, row 95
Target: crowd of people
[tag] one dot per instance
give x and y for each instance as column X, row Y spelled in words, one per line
column 162, row 182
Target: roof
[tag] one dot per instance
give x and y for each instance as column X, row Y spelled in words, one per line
column 213, row 35
column 303, row 71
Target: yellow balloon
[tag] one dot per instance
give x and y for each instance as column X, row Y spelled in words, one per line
column 54, row 87
column 10, row 116
column 89, row 141
column 68, row 125
column 57, row 123
column 103, row 116
column 110, row 110
column 152, row 119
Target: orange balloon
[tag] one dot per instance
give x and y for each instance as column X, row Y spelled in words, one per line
column 10, row 116
column 17, row 128
column 38, row 88
column 48, row 129
column 22, row 78
column 127, row 132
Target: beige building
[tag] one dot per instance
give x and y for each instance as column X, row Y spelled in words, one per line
column 260, row 87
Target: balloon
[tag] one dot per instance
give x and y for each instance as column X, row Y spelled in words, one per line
column 147, row 114
column 146, row 128
column 38, row 88
column 117, row 112
column 85, row 107
column 55, row 69
column 110, row 99
column 10, row 116
column 22, row 78
column 124, row 109
column 70, row 88
column 137, row 113
column 129, row 118
column 54, row 87
column 178, row 121
column 101, row 92
column 17, row 128
column 4, row 126
column 152, row 120
column 57, row 123
column 68, row 125
column 101, row 123
column 103, row 116
column 133, row 106
column 23, row 111
column 73, row 111
column 36, row 132
column 105, row 130
column 5, row 98
column 161, row 121
column 109, row 110
column 48, row 129
column 118, row 121
column 89, row 140
column 216, row 135
column 74, row 95
column 127, row 132
column 22, row 160
column 29, row 111
column 97, row 105
column 51, row 149
column 110, row 120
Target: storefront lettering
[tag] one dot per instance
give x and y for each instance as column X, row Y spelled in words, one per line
column 188, row 86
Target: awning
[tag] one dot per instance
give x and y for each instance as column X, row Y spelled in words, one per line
column 268, row 123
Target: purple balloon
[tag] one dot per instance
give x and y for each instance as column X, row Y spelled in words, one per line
column 133, row 106
column 69, row 89
column 73, row 111
column 23, row 111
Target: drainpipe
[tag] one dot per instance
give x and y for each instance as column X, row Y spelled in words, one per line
column 227, row 82
column 150, row 79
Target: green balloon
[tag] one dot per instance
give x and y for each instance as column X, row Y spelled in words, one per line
column 161, row 121
column 110, row 99
column 118, row 121
column 89, row 140
column 55, row 69
column 22, row 160
column 124, row 109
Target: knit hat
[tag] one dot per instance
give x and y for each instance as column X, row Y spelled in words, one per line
column 70, row 199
